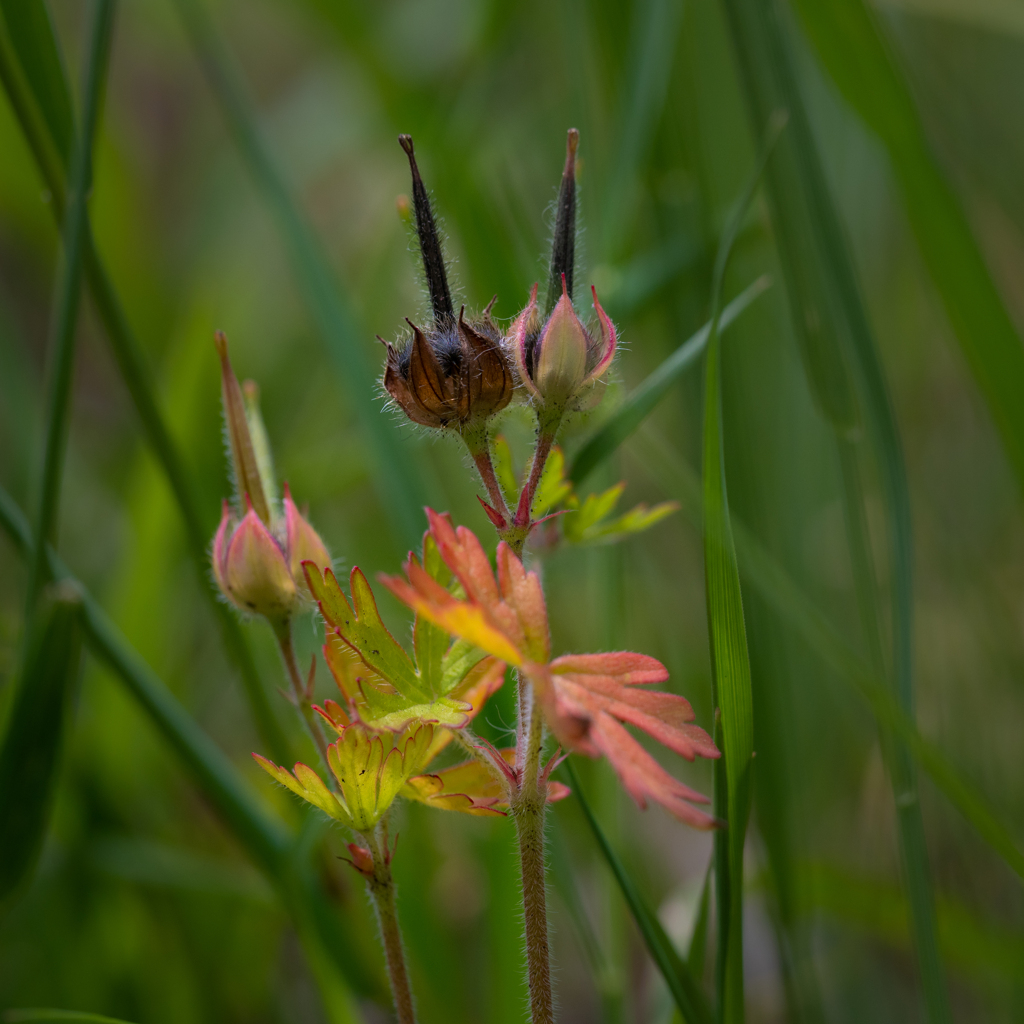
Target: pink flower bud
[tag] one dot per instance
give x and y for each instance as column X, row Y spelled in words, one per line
column 302, row 543
column 260, row 570
column 251, row 569
column 558, row 359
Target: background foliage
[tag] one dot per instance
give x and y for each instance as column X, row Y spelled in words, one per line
column 143, row 906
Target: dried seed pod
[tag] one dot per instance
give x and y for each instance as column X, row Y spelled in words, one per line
column 450, row 376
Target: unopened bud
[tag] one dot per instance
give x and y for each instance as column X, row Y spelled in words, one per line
column 302, row 544
column 560, row 358
column 251, row 568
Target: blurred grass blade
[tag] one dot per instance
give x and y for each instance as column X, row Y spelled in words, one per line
column 31, row 35
column 844, row 371
column 695, row 955
column 685, row 990
column 984, row 949
column 564, row 879
column 35, row 731
column 43, row 1015
column 653, row 42
column 45, row 148
column 730, row 660
column 67, row 296
column 645, row 397
column 850, row 43
column 761, row 571
column 261, row 836
column 399, row 483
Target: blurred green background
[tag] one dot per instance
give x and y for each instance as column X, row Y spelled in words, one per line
column 142, row 905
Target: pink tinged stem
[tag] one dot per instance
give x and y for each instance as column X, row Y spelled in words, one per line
column 478, row 447
column 303, row 696
column 382, row 890
column 528, row 804
column 540, row 457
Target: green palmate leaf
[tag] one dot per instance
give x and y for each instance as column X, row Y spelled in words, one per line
column 21, row 68
column 398, row 479
column 552, row 488
column 686, row 991
column 846, row 378
column 35, row 732
column 332, row 954
column 397, row 688
column 589, row 523
column 644, row 399
column 851, row 45
column 730, row 660
column 362, row 628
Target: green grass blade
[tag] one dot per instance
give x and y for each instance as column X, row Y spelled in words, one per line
column 67, row 295
column 137, row 378
column 685, row 990
column 697, row 952
column 645, row 397
column 653, row 43
column 33, row 1014
column 850, row 44
column 400, row 487
column 32, row 37
column 31, row 746
column 265, row 839
column 845, row 373
column 730, row 659
column 761, row 571
column 980, row 948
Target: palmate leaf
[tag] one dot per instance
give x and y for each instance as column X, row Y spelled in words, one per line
column 588, row 521
column 471, row 788
column 378, row 677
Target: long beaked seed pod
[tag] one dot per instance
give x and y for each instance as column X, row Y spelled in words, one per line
column 563, row 245
column 430, row 242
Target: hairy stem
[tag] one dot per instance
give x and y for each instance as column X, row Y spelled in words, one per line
column 382, row 889
column 528, row 804
column 478, row 446
column 283, row 632
column 515, row 536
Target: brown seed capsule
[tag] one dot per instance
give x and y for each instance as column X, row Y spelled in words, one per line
column 454, row 376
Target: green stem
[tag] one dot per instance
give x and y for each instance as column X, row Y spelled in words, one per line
column 68, row 295
column 382, row 889
column 283, row 632
column 528, row 804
